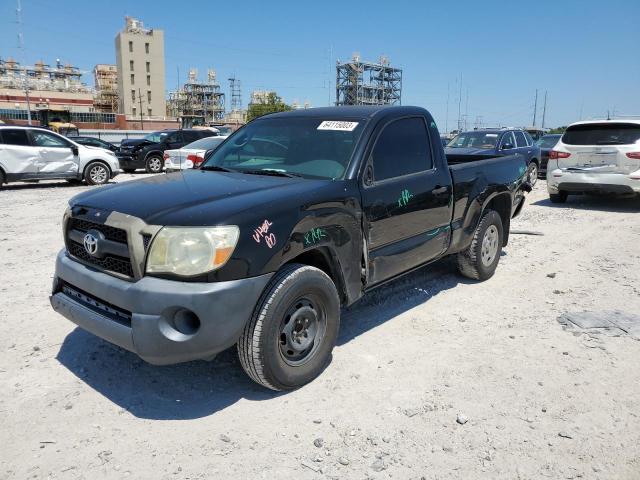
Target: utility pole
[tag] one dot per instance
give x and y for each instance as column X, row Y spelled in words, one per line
column 21, row 45
column 329, row 76
column 446, row 118
column 460, row 104
column 544, row 108
column 535, row 108
column 140, row 102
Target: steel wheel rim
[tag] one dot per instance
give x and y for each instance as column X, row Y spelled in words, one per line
column 155, row 165
column 489, row 249
column 301, row 331
column 98, row 174
column 533, row 174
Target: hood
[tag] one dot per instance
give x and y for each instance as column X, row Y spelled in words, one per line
column 197, row 197
column 134, row 142
column 469, row 151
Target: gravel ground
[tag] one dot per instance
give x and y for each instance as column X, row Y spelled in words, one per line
column 433, row 376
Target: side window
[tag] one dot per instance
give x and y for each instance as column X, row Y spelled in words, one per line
column 402, row 148
column 521, row 141
column 190, row 136
column 529, row 138
column 45, row 139
column 507, row 138
column 15, row 137
column 173, row 137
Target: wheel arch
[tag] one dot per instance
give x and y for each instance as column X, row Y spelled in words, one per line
column 501, row 203
column 96, row 160
column 324, row 259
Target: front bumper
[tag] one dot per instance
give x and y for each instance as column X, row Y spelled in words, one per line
column 129, row 160
column 141, row 316
column 577, row 181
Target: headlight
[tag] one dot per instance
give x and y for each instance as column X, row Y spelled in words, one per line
column 189, row 251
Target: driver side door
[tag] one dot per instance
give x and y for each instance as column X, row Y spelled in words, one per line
column 507, row 144
column 55, row 154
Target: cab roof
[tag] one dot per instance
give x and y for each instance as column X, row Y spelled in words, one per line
column 351, row 111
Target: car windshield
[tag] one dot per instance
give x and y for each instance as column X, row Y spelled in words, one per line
column 602, row 134
column 155, row 137
column 206, row 143
column 307, row 147
column 224, row 130
column 548, row 141
column 474, row 140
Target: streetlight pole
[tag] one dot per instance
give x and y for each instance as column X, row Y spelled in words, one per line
column 21, row 45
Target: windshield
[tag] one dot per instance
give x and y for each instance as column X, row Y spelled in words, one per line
column 155, row 137
column 309, row 147
column 548, row 141
column 602, row 134
column 485, row 140
column 206, row 143
column 224, row 130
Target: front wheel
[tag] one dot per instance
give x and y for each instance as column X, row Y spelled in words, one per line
column 96, row 173
column 480, row 260
column 289, row 338
column 154, row 164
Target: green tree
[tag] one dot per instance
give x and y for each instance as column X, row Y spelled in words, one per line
column 558, row 130
column 273, row 104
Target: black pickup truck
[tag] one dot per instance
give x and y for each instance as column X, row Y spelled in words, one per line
column 293, row 216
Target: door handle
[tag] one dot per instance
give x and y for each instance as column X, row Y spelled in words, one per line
column 439, row 190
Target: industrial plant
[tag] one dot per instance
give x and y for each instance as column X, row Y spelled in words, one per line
column 366, row 83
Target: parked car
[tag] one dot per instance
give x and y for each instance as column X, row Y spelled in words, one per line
column 488, row 143
column 33, row 154
column 94, row 142
column 546, row 144
column 190, row 156
column 148, row 152
column 262, row 251
column 598, row 156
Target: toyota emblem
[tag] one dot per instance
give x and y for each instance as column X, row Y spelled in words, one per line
column 90, row 244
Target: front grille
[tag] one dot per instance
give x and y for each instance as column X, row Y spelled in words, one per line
column 108, row 310
column 111, row 233
column 111, row 263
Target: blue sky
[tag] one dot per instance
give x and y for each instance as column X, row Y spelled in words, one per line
column 585, row 54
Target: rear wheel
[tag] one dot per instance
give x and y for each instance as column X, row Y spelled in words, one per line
column 289, row 339
column 480, row 260
column 559, row 197
column 532, row 173
column 154, row 164
column 96, row 173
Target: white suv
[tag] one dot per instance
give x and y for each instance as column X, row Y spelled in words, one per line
column 595, row 156
column 32, row 153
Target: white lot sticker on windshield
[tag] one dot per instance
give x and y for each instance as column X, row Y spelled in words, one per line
column 337, row 125
column 491, row 135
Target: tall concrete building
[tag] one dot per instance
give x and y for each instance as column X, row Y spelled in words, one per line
column 140, row 63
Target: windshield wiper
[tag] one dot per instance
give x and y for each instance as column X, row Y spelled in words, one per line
column 216, row 168
column 273, row 173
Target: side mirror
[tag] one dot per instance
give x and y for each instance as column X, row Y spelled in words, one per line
column 74, row 150
column 506, row 146
column 368, row 175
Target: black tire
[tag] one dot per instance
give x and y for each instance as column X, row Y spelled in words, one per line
column 266, row 350
column 153, row 164
column 532, row 173
column 73, row 181
column 480, row 260
column 559, row 197
column 97, row 173
column 129, row 170
column 3, row 179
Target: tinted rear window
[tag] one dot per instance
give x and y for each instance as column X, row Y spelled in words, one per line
column 602, row 134
column 15, row 137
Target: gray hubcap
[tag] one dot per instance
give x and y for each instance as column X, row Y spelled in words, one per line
column 489, row 245
column 301, row 331
column 533, row 174
column 98, row 174
column 155, row 164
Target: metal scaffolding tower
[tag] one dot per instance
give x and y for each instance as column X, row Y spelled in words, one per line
column 365, row 83
column 200, row 100
column 236, row 94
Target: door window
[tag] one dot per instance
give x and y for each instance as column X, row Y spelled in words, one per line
column 174, row 137
column 401, row 149
column 521, row 141
column 15, row 137
column 507, row 139
column 46, row 139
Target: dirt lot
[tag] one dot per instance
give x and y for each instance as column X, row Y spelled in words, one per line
column 412, row 359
